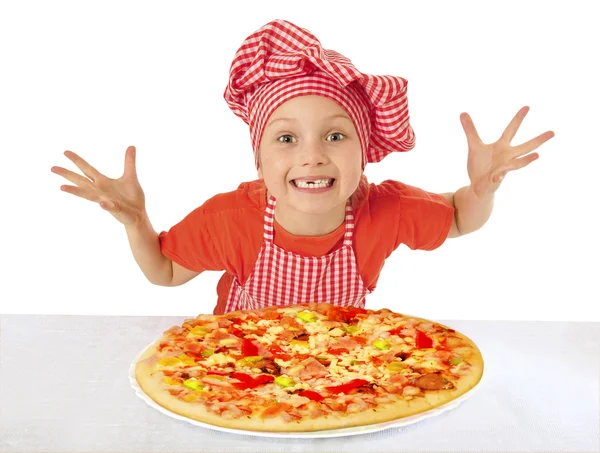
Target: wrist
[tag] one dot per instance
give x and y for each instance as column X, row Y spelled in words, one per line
column 140, row 223
column 479, row 196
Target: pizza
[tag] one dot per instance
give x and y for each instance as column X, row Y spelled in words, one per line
column 307, row 367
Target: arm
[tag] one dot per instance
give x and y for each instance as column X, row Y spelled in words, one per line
column 125, row 200
column 470, row 212
column 157, row 268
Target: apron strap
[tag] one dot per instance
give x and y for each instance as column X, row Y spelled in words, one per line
column 269, row 218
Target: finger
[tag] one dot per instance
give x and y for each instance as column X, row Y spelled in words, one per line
column 470, row 131
column 515, row 164
column 81, row 193
column 532, row 144
column 86, row 168
column 130, row 162
column 512, row 128
column 70, row 176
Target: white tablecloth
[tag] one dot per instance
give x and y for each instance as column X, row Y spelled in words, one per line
column 64, row 387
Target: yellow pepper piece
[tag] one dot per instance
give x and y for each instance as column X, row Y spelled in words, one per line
column 172, row 381
column 215, row 376
column 169, row 361
column 395, row 367
column 186, row 359
column 193, row 384
column 199, row 331
column 251, row 359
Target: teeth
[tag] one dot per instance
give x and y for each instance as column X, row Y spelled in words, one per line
column 317, row 184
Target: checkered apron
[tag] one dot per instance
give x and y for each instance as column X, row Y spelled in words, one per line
column 285, row 278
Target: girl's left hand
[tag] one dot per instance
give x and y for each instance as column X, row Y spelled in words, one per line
column 487, row 164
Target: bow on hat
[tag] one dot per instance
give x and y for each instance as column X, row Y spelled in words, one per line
column 281, row 58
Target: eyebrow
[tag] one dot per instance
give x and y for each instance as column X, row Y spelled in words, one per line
column 339, row 115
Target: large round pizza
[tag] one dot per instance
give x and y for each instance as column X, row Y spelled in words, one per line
column 307, row 367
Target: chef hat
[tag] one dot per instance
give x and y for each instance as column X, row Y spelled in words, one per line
column 281, row 61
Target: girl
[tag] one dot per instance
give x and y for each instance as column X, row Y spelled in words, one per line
column 311, row 228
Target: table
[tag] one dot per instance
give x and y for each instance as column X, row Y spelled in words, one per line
column 64, row 387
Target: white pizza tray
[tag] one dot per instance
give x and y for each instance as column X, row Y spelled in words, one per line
column 352, row 431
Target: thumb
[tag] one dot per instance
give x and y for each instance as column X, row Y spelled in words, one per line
column 130, row 161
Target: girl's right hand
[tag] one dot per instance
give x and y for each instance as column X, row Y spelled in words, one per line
column 123, row 197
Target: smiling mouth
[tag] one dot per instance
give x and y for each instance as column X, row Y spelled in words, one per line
column 316, row 184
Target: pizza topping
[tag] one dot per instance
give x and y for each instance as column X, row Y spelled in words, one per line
column 284, row 381
column 307, row 316
column 430, row 382
column 314, row 396
column 422, row 340
column 248, row 348
column 193, row 384
column 345, row 388
column 249, row 382
column 268, row 366
column 307, row 361
column 381, row 344
column 351, row 329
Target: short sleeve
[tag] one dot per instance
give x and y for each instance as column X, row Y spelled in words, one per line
column 191, row 244
column 424, row 218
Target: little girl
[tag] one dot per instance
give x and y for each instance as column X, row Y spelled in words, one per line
column 311, row 228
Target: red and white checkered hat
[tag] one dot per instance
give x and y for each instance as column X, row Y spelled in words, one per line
column 281, row 61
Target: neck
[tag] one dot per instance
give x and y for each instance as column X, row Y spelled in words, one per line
column 300, row 224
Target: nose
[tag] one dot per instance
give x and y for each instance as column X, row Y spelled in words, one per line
column 314, row 153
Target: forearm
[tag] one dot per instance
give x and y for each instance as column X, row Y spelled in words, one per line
column 470, row 212
column 145, row 246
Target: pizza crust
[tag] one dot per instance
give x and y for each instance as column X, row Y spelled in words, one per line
column 152, row 385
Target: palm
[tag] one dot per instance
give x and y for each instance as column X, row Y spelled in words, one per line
column 487, row 164
column 122, row 197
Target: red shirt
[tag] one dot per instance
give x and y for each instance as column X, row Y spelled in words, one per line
column 226, row 232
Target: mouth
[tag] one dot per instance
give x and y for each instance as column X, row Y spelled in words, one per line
column 320, row 183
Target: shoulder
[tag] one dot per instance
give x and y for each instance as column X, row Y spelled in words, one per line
column 389, row 192
column 248, row 195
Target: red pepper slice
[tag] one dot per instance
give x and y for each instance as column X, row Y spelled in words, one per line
column 344, row 388
column 242, row 377
column 311, row 395
column 248, row 382
column 397, row 331
column 248, row 348
column 264, row 378
column 337, row 351
column 423, row 341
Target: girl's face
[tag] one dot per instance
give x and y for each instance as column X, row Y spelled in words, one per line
column 310, row 157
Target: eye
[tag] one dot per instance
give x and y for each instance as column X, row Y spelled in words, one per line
column 286, row 139
column 336, row 137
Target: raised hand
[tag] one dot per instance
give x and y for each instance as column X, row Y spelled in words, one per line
column 122, row 197
column 487, row 164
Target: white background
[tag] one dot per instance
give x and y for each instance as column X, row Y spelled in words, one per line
column 95, row 78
